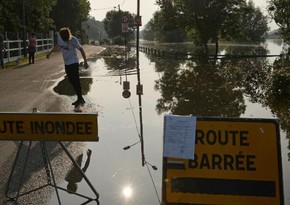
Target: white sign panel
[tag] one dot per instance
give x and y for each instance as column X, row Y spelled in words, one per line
column 179, row 136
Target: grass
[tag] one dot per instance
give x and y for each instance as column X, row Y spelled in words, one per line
column 23, row 61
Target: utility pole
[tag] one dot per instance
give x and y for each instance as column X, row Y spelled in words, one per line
column 139, row 86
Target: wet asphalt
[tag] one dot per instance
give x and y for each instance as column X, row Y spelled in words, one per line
column 22, row 88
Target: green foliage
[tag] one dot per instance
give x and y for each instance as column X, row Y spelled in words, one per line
column 36, row 15
column 280, row 83
column 10, row 18
column 42, row 15
column 113, row 24
column 118, row 41
column 157, row 29
column 105, row 41
column 94, row 29
column 70, row 14
column 253, row 25
column 211, row 20
column 280, row 12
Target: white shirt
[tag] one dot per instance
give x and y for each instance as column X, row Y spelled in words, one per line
column 68, row 49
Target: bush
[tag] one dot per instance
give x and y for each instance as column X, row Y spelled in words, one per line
column 118, row 41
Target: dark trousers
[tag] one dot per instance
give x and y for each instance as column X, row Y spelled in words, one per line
column 31, row 57
column 31, row 53
column 1, row 58
column 72, row 72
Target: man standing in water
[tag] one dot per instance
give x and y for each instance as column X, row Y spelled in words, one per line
column 68, row 44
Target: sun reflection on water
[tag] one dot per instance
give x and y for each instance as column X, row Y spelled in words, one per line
column 127, row 192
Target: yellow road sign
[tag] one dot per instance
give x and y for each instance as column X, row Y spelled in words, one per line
column 48, row 127
column 237, row 161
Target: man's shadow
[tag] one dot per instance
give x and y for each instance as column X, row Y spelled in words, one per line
column 34, row 163
column 74, row 176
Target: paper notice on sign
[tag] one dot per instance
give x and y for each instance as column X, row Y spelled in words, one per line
column 179, row 136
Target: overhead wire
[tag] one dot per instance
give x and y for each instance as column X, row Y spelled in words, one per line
column 154, row 185
column 109, row 8
column 140, row 135
column 146, row 163
column 139, row 131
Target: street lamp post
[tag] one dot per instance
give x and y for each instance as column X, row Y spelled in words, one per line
column 139, row 86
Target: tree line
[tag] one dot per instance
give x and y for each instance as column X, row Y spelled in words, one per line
column 212, row 21
column 200, row 21
column 207, row 21
column 17, row 16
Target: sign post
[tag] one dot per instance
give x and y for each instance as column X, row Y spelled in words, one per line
column 236, row 161
column 125, row 24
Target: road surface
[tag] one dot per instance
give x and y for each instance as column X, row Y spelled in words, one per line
column 26, row 87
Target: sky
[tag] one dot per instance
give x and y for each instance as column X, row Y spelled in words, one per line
column 99, row 8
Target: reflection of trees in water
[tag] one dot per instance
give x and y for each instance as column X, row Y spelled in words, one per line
column 198, row 89
column 120, row 64
column 249, row 74
column 280, row 107
column 277, row 96
column 278, row 42
column 218, row 89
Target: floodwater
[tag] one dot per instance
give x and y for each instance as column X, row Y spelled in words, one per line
column 237, row 88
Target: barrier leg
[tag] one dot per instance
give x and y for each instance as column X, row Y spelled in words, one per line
column 15, row 198
column 49, row 174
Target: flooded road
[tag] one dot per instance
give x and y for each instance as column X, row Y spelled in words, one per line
column 112, row 169
column 239, row 88
column 118, row 174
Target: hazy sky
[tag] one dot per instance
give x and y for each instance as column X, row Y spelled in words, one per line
column 147, row 8
column 99, row 8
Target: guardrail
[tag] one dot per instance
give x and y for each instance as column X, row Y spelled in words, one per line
column 190, row 56
column 14, row 51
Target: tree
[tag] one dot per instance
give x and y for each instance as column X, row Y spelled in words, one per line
column 70, row 14
column 157, row 29
column 253, row 24
column 280, row 12
column 94, row 29
column 208, row 20
column 148, row 33
column 10, row 20
column 113, row 24
column 36, row 15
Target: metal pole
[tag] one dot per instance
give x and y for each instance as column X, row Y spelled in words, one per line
column 139, row 85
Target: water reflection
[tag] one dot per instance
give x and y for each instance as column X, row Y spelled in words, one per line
column 74, row 176
column 127, row 192
column 200, row 87
column 206, row 87
column 277, row 95
column 210, row 87
column 120, row 63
